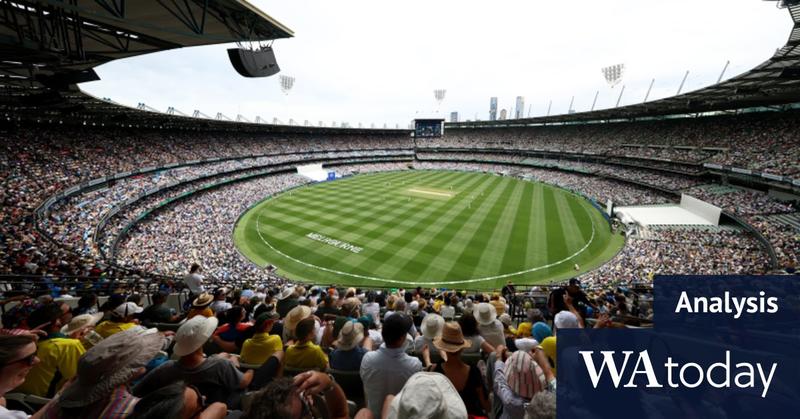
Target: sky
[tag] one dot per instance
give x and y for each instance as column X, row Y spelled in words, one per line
column 376, row 62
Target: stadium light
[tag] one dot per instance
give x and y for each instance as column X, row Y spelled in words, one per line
column 287, row 82
column 613, row 74
column 439, row 94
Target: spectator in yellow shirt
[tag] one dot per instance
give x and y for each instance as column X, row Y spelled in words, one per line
column 58, row 353
column 305, row 354
column 122, row 318
column 262, row 345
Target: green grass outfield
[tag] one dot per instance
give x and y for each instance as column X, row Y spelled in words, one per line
column 428, row 228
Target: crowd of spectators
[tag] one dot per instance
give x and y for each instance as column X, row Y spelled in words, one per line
column 682, row 251
column 202, row 225
column 37, row 162
column 764, row 142
column 278, row 351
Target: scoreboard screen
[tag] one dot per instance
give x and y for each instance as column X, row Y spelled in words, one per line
column 427, row 128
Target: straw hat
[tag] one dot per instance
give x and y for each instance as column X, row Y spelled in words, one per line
column 79, row 322
column 427, row 395
column 485, row 314
column 505, row 319
column 294, row 316
column 109, row 364
column 452, row 339
column 350, row 336
column 286, row 293
column 194, row 334
column 432, row 326
column 203, row 300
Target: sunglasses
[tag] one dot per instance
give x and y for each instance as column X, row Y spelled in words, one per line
column 28, row 360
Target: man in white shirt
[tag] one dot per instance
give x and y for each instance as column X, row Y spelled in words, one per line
column 194, row 281
column 386, row 370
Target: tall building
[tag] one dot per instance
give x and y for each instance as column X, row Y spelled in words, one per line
column 519, row 110
column 503, row 114
column 453, row 116
column 493, row 109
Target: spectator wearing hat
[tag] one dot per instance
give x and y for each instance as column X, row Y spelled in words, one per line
column 58, row 353
column 100, row 389
column 466, row 379
column 287, row 300
column 291, row 320
column 488, row 326
column 425, row 395
column 386, row 370
column 257, row 349
column 158, row 312
column 82, row 328
column 517, row 377
column 217, row 377
column 122, row 318
column 431, row 329
column 200, row 306
column 179, row 401
column 350, row 347
column 563, row 320
column 305, row 353
column 469, row 327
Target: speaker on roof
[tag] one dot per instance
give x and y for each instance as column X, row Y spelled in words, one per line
column 254, row 63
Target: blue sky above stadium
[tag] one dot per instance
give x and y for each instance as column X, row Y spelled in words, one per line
column 375, row 62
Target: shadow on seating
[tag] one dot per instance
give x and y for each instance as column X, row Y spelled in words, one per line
column 28, row 402
column 350, row 382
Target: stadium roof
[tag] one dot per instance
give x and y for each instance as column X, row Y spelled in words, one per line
column 48, row 46
column 53, row 43
column 773, row 82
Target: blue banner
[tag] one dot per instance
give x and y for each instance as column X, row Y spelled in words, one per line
column 721, row 347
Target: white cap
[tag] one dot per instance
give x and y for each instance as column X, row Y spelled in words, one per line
column 566, row 320
column 127, row 309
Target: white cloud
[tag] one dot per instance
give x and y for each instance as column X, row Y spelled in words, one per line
column 375, row 61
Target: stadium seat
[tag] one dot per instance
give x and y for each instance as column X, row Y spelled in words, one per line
column 211, row 348
column 472, row 359
column 291, row 372
column 245, row 367
column 29, row 402
column 350, row 381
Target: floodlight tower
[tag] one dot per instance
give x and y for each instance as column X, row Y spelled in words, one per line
column 439, row 94
column 286, row 83
column 613, row 75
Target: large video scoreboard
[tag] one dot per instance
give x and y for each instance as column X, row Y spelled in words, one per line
column 427, row 128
